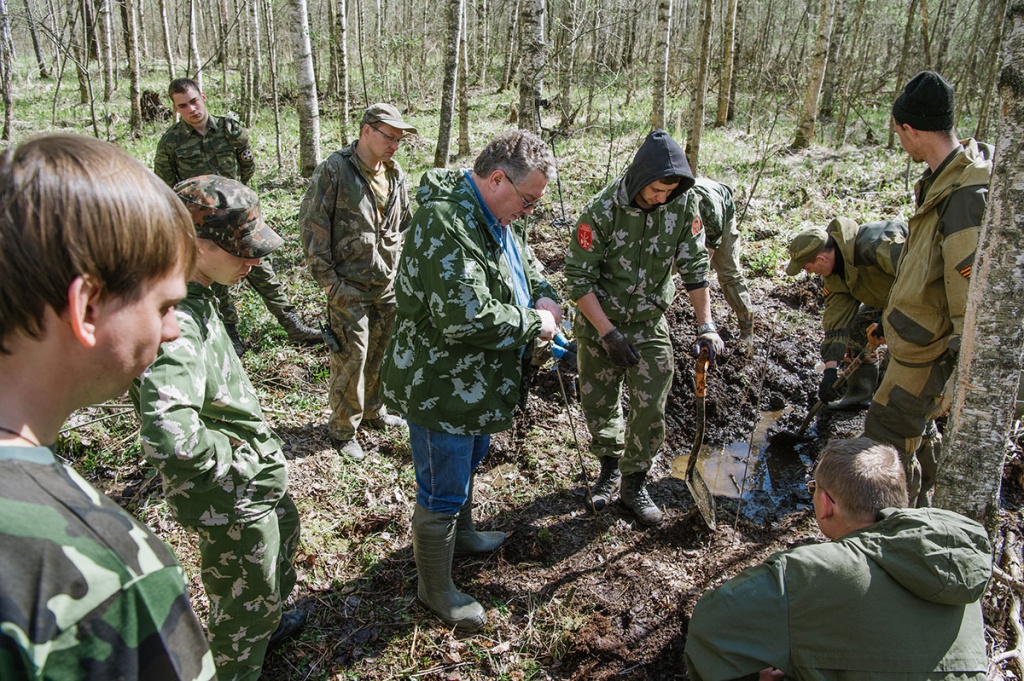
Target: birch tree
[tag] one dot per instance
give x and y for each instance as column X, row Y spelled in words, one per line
column 107, row 57
column 451, row 73
column 341, row 36
column 6, row 66
column 309, row 108
column 982, row 412
column 664, row 34
column 531, row 77
column 728, row 64
column 44, row 71
column 131, row 48
column 809, row 113
column 168, row 52
column 701, row 88
column 193, row 45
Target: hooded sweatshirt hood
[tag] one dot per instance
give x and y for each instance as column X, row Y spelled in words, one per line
column 947, row 559
column 658, row 157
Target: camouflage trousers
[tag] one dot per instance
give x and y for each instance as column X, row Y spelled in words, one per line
column 726, row 263
column 248, row 575
column 264, row 281
column 635, row 438
column 908, row 398
column 363, row 327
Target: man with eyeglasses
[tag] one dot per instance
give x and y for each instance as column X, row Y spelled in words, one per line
column 894, row 594
column 352, row 218
column 470, row 299
column 631, row 240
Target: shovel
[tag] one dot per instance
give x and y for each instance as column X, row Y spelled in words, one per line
column 694, row 480
column 785, row 437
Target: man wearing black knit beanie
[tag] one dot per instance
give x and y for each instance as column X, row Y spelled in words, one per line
column 924, row 317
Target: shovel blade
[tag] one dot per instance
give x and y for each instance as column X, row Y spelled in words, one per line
column 702, row 497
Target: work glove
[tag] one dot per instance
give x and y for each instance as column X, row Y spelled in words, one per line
column 712, row 341
column 828, row 379
column 620, row 351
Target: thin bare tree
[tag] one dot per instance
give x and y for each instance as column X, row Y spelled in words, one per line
column 44, row 71
column 463, row 88
column 6, row 68
column 728, row 64
column 982, row 412
column 131, row 48
column 341, row 35
column 309, row 108
column 701, row 88
column 901, row 69
column 268, row 13
column 168, row 51
column 107, row 55
column 196, row 65
column 809, row 113
column 453, row 19
column 534, row 55
column 664, row 36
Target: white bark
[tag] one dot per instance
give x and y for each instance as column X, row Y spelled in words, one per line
column 309, row 108
column 451, row 73
column 664, row 36
column 809, row 114
column 534, row 49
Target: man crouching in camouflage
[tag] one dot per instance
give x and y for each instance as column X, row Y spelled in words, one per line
column 222, row 469
column 93, row 255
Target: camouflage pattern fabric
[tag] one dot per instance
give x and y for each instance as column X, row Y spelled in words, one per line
column 627, row 257
column 718, row 212
column 264, row 281
column 353, row 247
column 224, row 476
column 635, row 439
column 453, row 362
column 87, row 591
column 228, row 213
column 860, row 284
column 183, row 153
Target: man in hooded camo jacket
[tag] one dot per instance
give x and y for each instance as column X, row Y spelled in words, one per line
column 924, row 316
column 630, row 241
column 470, row 299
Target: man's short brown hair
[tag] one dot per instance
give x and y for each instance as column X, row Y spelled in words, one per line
column 180, row 86
column 75, row 206
column 862, row 476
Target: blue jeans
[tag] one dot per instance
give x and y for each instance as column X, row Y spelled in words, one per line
column 444, row 463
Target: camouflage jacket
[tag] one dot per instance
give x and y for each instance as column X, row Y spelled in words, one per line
column 87, row 591
column 627, row 256
column 716, row 209
column 202, row 426
column 343, row 235
column 869, row 254
column 183, row 153
column 925, row 311
column 453, row 362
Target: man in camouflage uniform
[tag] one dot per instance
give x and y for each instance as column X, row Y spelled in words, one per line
column 630, row 240
column 201, row 144
column 351, row 220
column 93, row 255
column 722, row 240
column 223, row 472
column 924, row 316
column 858, row 265
column 470, row 300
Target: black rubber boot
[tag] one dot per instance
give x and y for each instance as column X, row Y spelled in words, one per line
column 467, row 539
column 635, row 498
column 433, row 542
column 298, row 332
column 860, row 386
column 607, row 483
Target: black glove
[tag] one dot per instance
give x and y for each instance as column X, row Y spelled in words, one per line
column 828, row 379
column 879, row 330
column 620, row 351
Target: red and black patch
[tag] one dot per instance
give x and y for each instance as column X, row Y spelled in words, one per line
column 696, row 227
column 585, row 236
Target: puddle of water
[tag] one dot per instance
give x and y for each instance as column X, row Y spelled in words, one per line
column 747, row 468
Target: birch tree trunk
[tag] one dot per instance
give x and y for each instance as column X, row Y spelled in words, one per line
column 809, row 114
column 664, row 35
column 510, row 61
column 6, row 66
column 992, row 71
column 44, row 71
column 131, row 48
column 140, row 11
column 982, row 413
column 193, row 45
column 728, row 64
column 342, row 36
column 108, row 49
column 567, row 72
column 268, row 11
column 534, row 51
column 309, row 108
column 483, row 37
column 463, row 89
column 168, row 52
column 451, row 73
column 701, row 88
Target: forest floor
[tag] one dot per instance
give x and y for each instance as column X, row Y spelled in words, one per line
column 569, row 595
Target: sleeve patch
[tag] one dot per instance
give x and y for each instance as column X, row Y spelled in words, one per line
column 696, row 227
column 585, row 236
column 965, row 265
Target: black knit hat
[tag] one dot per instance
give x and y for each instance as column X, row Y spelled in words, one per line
column 926, row 103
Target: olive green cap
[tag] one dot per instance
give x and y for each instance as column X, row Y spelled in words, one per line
column 806, row 244
column 388, row 114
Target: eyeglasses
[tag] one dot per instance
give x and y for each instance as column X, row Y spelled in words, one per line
column 397, row 141
column 527, row 205
column 812, row 485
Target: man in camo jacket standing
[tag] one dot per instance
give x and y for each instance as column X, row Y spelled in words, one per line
column 201, row 144
column 222, row 469
column 93, row 255
column 352, row 218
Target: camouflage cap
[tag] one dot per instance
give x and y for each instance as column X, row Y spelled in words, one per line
column 806, row 244
column 387, row 114
column 228, row 213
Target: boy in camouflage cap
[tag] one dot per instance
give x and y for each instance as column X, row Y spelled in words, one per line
column 223, row 472
column 93, row 255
